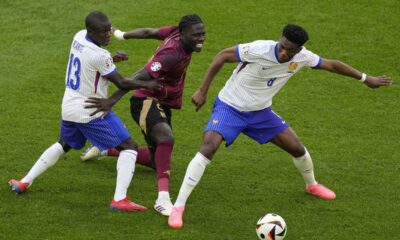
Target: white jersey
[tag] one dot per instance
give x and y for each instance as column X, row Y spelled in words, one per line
column 259, row 75
column 88, row 65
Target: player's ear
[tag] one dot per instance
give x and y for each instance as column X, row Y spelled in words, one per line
column 89, row 32
column 183, row 36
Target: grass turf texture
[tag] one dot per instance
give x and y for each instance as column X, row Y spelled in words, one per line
column 350, row 130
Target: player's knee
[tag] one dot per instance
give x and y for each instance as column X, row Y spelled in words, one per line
column 208, row 149
column 162, row 138
column 128, row 145
column 64, row 145
column 298, row 150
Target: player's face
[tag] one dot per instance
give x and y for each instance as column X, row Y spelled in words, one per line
column 287, row 49
column 101, row 34
column 194, row 37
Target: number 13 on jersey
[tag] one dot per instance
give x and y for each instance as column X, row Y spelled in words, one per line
column 74, row 72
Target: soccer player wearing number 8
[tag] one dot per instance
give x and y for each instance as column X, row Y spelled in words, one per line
column 89, row 70
column 244, row 105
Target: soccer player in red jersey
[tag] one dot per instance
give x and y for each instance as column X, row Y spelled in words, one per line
column 151, row 110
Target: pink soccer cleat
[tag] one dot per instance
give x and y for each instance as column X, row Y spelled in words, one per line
column 175, row 219
column 17, row 186
column 321, row 191
column 126, row 205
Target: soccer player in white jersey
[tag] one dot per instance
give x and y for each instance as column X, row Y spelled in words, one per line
column 89, row 70
column 244, row 105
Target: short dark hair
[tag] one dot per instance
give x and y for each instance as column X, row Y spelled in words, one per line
column 94, row 18
column 189, row 20
column 295, row 34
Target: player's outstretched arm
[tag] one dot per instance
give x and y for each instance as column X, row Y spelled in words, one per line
column 228, row 55
column 140, row 79
column 346, row 70
column 138, row 33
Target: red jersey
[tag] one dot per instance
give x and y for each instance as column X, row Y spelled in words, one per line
column 170, row 61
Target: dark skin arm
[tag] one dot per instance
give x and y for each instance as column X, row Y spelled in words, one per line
column 134, row 82
column 142, row 79
column 346, row 70
column 142, row 33
column 227, row 55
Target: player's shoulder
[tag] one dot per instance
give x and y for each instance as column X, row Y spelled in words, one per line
column 171, row 51
column 80, row 34
column 305, row 53
column 97, row 52
column 168, row 31
column 260, row 43
column 260, row 47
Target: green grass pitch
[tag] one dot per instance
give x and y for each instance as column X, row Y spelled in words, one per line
column 351, row 131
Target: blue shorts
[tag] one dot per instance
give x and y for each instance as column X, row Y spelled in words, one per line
column 103, row 133
column 261, row 126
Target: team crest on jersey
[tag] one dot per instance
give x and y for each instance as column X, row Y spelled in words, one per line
column 155, row 66
column 109, row 62
column 215, row 121
column 246, row 49
column 292, row 67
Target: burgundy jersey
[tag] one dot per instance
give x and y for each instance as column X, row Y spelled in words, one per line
column 170, row 61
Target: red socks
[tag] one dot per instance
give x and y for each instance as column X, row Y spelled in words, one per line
column 163, row 162
column 143, row 156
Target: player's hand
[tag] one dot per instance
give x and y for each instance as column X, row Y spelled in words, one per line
column 120, row 56
column 375, row 82
column 101, row 104
column 199, row 98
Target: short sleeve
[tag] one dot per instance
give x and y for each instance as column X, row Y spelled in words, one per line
column 249, row 52
column 104, row 65
column 313, row 60
column 161, row 63
column 166, row 31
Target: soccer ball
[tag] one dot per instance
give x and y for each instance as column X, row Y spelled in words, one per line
column 271, row 227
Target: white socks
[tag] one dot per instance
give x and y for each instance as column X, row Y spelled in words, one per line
column 194, row 172
column 163, row 195
column 305, row 166
column 125, row 169
column 46, row 160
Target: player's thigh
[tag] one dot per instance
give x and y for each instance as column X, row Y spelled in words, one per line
column 162, row 132
column 71, row 135
column 264, row 125
column 108, row 132
column 152, row 118
column 226, row 121
column 288, row 141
